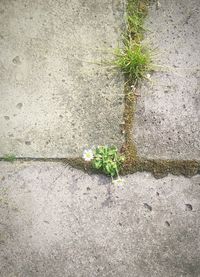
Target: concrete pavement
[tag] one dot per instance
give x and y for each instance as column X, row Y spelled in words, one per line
column 57, row 97
column 167, row 120
column 58, row 221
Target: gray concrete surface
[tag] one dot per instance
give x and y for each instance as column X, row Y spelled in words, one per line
column 58, row 221
column 55, row 99
column 167, row 122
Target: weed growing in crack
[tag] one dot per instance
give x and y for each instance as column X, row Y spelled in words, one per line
column 136, row 13
column 108, row 160
column 105, row 159
column 134, row 60
column 9, row 158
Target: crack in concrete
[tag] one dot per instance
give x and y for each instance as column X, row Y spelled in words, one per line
column 158, row 167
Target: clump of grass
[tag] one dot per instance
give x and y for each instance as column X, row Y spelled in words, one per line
column 9, row 158
column 134, row 60
column 136, row 12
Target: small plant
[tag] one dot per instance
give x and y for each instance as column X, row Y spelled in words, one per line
column 136, row 12
column 134, row 60
column 88, row 155
column 135, row 25
column 106, row 159
column 9, row 158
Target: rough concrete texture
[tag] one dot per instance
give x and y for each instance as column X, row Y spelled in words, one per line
column 167, row 122
column 55, row 99
column 58, row 221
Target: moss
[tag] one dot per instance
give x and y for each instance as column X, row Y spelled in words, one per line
column 129, row 149
column 161, row 168
column 9, row 158
column 133, row 164
column 79, row 163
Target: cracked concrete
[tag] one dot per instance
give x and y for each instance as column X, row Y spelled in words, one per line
column 167, row 121
column 58, row 221
column 55, row 99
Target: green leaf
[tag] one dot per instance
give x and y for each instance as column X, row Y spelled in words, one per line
column 108, row 160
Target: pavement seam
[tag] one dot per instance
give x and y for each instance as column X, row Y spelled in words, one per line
column 133, row 163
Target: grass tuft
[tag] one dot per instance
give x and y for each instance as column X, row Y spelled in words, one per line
column 136, row 13
column 134, row 60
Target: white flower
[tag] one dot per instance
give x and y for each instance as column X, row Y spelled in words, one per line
column 149, row 76
column 118, row 181
column 88, row 155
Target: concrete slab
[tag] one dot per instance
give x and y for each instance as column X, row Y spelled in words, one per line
column 55, row 99
column 58, row 221
column 167, row 122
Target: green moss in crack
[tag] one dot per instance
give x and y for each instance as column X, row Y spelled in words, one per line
column 79, row 163
column 9, row 158
column 161, row 168
column 129, row 149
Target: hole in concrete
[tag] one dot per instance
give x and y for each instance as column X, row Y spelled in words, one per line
column 148, row 207
column 188, row 207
